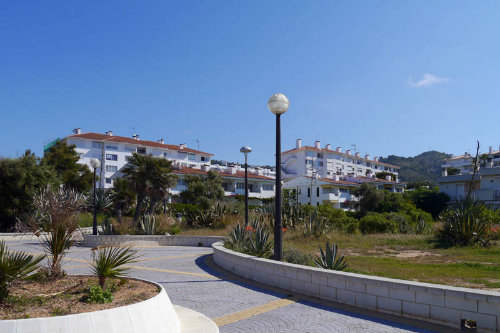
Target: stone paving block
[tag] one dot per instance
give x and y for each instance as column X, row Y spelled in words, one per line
column 460, row 303
column 366, row 301
column 405, row 295
column 445, row 314
column 386, row 304
column 377, row 290
column 416, row 309
column 483, row 320
column 431, row 299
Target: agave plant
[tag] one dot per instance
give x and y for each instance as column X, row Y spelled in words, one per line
column 259, row 245
column 15, row 265
column 315, row 226
column 147, row 224
column 420, row 226
column 108, row 262
column 329, row 260
column 236, row 238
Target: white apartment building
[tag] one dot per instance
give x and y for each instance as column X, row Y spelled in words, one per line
column 486, row 186
column 115, row 151
column 327, row 163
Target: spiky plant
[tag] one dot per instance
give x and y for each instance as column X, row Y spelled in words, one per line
column 147, row 224
column 107, row 227
column 108, row 262
column 259, row 245
column 329, row 260
column 314, row 226
column 236, row 238
column 15, row 265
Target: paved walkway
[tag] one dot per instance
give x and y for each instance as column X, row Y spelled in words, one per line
column 191, row 280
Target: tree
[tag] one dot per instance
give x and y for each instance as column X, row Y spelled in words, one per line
column 150, row 178
column 122, row 195
column 20, row 179
column 369, row 198
column 64, row 159
column 429, row 200
column 203, row 190
column 383, row 174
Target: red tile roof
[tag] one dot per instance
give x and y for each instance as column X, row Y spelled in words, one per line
column 336, row 152
column 123, row 139
column 238, row 174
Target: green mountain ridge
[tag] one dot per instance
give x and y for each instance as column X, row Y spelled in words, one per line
column 421, row 168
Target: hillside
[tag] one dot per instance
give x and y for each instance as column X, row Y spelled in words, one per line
column 426, row 166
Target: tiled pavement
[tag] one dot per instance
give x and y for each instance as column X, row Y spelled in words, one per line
column 191, row 280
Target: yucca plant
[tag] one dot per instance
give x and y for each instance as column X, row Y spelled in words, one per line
column 329, row 260
column 147, row 224
column 108, row 262
column 107, row 227
column 15, row 265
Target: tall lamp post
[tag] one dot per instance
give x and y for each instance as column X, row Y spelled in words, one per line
column 246, row 150
column 95, row 163
column 278, row 104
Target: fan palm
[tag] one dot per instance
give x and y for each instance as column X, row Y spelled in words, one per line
column 122, row 196
column 15, row 265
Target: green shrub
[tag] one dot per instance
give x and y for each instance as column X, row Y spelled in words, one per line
column 96, row 294
column 174, row 229
column 402, row 220
column 374, row 223
column 107, row 262
column 294, row 256
column 330, row 213
column 347, row 224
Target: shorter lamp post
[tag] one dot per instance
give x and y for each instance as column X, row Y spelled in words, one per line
column 278, row 104
column 246, row 150
column 95, row 163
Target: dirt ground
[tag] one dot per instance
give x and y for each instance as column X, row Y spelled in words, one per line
column 66, row 296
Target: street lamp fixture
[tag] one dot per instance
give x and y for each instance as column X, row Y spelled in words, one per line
column 95, row 163
column 278, row 104
column 246, row 150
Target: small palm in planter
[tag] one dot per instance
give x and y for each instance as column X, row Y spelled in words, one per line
column 329, row 259
column 108, row 262
column 15, row 265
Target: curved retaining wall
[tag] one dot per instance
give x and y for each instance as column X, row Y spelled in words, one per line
column 149, row 240
column 153, row 315
column 435, row 303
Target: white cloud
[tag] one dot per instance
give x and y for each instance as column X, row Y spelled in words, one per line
column 427, row 81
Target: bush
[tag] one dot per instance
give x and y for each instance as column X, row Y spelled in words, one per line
column 96, row 294
column 347, row 224
column 330, row 213
column 108, row 262
column 374, row 223
column 402, row 220
column 294, row 256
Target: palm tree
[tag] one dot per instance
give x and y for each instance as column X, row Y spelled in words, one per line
column 122, row 196
column 150, row 177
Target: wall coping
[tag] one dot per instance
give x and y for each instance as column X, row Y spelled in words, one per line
column 418, row 300
column 151, row 240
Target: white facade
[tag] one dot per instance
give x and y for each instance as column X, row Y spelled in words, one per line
column 114, row 151
column 486, row 186
column 325, row 162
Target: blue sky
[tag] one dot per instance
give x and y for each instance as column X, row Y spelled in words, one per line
column 393, row 77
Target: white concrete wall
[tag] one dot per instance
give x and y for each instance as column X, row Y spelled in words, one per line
column 434, row 303
column 149, row 240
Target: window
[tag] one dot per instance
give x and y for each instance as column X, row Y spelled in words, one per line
column 191, row 157
column 96, row 144
column 111, row 157
column 309, row 162
column 268, row 187
column 320, row 163
column 317, row 191
column 165, row 154
column 240, row 186
column 141, row 150
column 205, row 159
column 112, row 147
column 320, row 155
column 310, row 154
column 308, row 192
column 128, row 148
column 128, row 158
column 181, row 182
column 111, row 168
column 109, row 181
column 344, row 190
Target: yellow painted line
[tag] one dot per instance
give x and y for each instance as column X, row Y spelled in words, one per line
column 257, row 310
column 176, row 257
